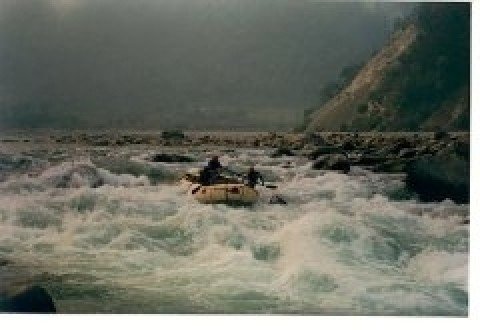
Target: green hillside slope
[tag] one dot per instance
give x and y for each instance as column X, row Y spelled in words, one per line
column 419, row 81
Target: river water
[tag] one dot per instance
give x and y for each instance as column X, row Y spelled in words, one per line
column 345, row 244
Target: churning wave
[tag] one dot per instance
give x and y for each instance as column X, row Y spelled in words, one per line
column 119, row 235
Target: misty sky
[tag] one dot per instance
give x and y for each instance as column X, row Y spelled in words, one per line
column 193, row 64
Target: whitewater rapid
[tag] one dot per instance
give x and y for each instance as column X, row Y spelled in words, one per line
column 346, row 244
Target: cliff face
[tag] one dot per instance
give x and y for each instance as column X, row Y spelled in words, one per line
column 419, row 81
column 353, row 103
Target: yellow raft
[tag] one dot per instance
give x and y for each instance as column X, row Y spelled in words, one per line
column 226, row 192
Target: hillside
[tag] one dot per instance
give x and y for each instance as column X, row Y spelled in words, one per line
column 420, row 80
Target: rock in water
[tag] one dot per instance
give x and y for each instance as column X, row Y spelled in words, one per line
column 276, row 199
column 335, row 162
column 282, row 152
column 348, row 145
column 391, row 166
column 173, row 135
column 462, row 149
column 35, row 299
column 325, row 150
column 315, row 139
column 436, row 178
column 4, row 262
column 441, row 135
column 165, row 158
column 407, row 153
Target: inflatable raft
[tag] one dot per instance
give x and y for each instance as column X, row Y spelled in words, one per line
column 227, row 191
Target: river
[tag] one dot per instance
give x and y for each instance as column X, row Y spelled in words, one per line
column 345, row 244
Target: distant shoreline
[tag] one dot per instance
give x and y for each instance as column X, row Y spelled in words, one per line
column 295, row 141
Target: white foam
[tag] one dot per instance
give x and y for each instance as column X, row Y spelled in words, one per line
column 344, row 247
column 86, row 174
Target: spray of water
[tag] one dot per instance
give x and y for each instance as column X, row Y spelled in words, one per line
column 344, row 244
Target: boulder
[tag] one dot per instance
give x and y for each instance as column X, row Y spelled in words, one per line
column 391, row 166
column 173, row 135
column 100, row 143
column 18, row 163
column 325, row 150
column 276, row 199
column 349, row 145
column 462, row 149
column 441, row 135
column 369, row 160
column 315, row 139
column 401, row 144
column 167, row 158
column 4, row 262
column 436, row 178
column 34, row 299
column 407, row 153
column 287, row 165
column 335, row 162
column 282, row 152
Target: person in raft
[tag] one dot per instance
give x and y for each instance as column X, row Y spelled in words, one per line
column 253, row 177
column 211, row 172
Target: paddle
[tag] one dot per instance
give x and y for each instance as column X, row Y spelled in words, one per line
column 271, row 186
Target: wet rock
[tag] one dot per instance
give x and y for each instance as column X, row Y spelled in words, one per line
column 120, row 143
column 287, row 165
column 315, row 139
column 441, row 135
column 34, row 299
column 334, row 162
column 391, row 166
column 276, row 199
column 349, row 145
column 399, row 145
column 436, row 178
column 100, row 143
column 282, row 152
column 462, row 149
column 4, row 262
column 18, row 163
column 369, row 160
column 167, row 158
column 325, row 150
column 173, row 135
column 407, row 153
column 422, row 150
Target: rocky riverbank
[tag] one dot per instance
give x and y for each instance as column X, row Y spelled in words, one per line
column 346, row 140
